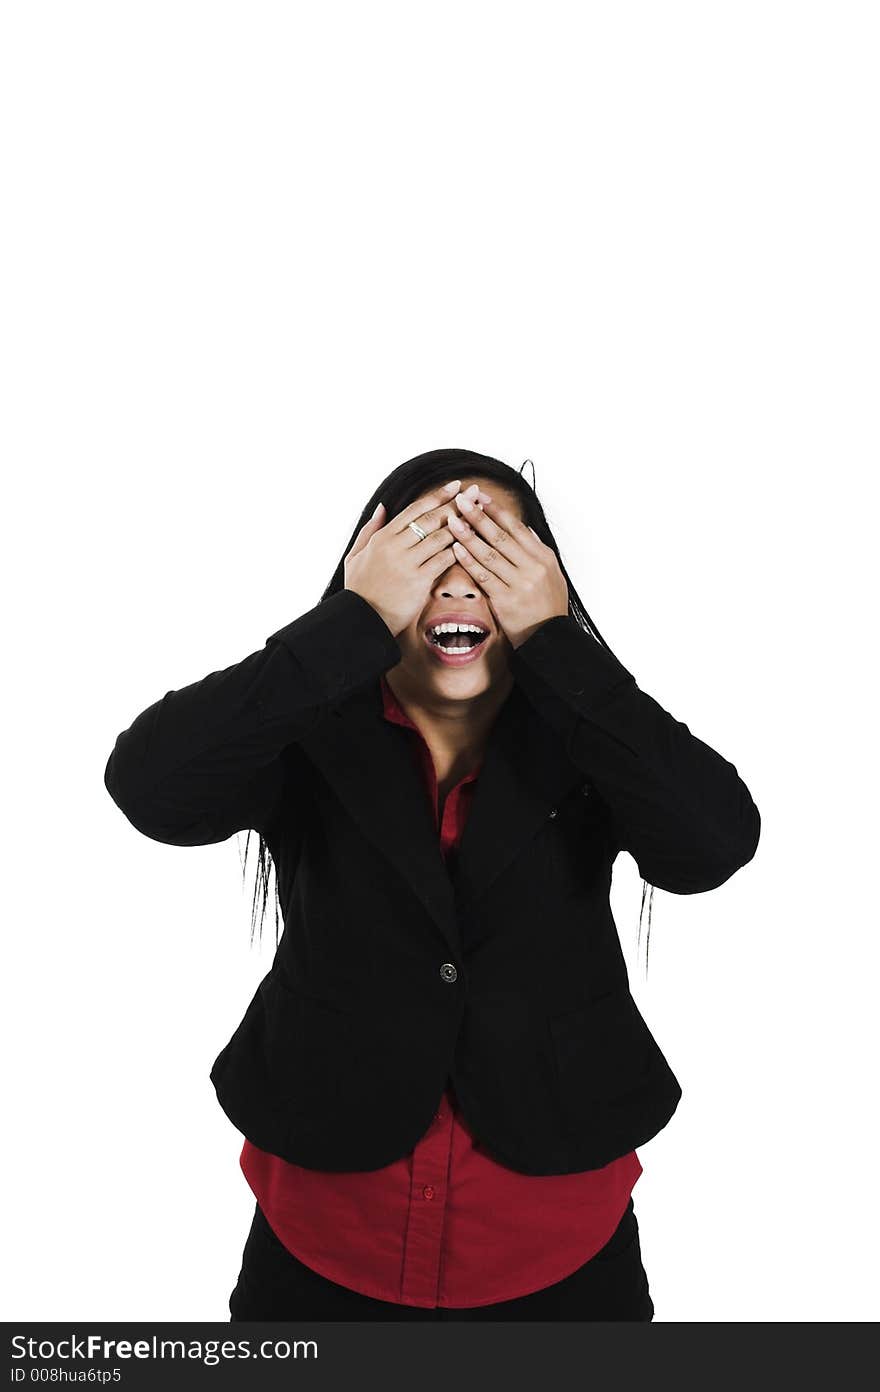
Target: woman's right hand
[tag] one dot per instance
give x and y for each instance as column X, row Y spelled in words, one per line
column 391, row 568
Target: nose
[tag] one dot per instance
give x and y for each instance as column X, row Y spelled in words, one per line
column 455, row 583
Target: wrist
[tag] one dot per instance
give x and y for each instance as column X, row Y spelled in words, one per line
column 526, row 633
column 386, row 618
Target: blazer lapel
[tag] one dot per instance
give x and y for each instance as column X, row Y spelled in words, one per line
column 369, row 762
column 525, row 774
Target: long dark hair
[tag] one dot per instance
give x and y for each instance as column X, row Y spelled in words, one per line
column 397, row 490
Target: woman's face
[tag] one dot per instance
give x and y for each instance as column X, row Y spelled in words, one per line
column 454, row 674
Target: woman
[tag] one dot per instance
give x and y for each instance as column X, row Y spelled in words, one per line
column 443, row 1078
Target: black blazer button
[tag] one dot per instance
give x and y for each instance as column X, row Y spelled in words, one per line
column 448, row 972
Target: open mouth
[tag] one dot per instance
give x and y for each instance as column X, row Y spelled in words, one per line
column 456, row 639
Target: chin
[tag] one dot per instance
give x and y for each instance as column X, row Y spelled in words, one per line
column 464, row 682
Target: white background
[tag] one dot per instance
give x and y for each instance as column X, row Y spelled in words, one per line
column 256, row 255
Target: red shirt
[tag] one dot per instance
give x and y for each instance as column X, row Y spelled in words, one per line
column 446, row 1224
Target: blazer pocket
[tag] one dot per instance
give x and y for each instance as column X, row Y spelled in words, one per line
column 603, row 1050
column 308, row 1046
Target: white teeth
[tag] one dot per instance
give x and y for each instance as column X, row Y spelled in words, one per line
column 455, row 628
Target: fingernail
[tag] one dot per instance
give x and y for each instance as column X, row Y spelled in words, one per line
column 451, row 487
column 377, row 511
column 464, row 502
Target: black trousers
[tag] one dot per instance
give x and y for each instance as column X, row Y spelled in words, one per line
column 274, row 1285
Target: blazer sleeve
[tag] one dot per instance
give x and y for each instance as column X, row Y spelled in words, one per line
column 679, row 808
column 205, row 760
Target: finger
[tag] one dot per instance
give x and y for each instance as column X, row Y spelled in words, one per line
column 432, row 518
column 438, row 540
column 475, row 494
column 430, row 521
column 492, row 584
column 427, row 522
column 441, row 559
column 371, row 525
column 451, row 509
column 487, row 555
column 431, row 500
column 518, row 531
column 514, row 526
column 493, row 534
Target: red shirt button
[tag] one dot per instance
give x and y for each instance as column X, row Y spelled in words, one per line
column 428, row 1191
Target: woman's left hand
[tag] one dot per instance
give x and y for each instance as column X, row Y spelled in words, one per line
column 519, row 575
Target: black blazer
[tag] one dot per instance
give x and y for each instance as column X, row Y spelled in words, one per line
column 395, row 971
